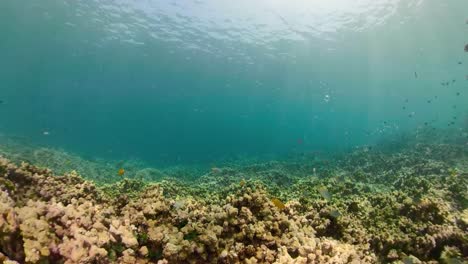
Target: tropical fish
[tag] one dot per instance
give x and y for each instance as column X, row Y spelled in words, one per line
column 179, row 204
column 324, row 192
column 215, row 170
column 280, row 205
column 121, row 171
column 335, row 213
column 242, row 183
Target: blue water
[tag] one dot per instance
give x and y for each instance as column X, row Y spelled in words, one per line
column 206, row 80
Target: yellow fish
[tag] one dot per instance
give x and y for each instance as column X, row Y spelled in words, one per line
column 121, row 172
column 242, row 183
column 280, row 205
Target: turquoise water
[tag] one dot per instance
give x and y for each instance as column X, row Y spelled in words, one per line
column 174, row 82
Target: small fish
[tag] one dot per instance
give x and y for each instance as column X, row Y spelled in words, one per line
column 335, row 213
column 415, row 75
column 46, row 133
column 280, row 205
column 458, row 93
column 460, row 63
column 215, row 170
column 466, row 48
column 428, row 101
column 178, row 204
column 324, row 192
column 1, row 101
column 121, row 171
column 242, row 183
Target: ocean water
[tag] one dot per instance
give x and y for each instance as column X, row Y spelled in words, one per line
column 199, row 81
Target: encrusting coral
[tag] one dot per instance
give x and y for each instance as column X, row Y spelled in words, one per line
column 365, row 209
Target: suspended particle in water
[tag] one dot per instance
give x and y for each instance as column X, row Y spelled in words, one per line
column 458, row 93
column 404, row 107
column 428, row 101
column 460, row 63
column 425, row 123
column 454, row 106
column 436, row 97
column 326, row 98
column 454, row 80
column 453, row 123
column 466, row 48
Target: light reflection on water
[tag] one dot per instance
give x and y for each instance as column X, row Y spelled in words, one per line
column 203, row 25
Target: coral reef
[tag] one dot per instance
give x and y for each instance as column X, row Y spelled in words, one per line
column 366, row 207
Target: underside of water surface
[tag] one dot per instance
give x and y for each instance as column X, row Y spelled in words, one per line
column 203, row 131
